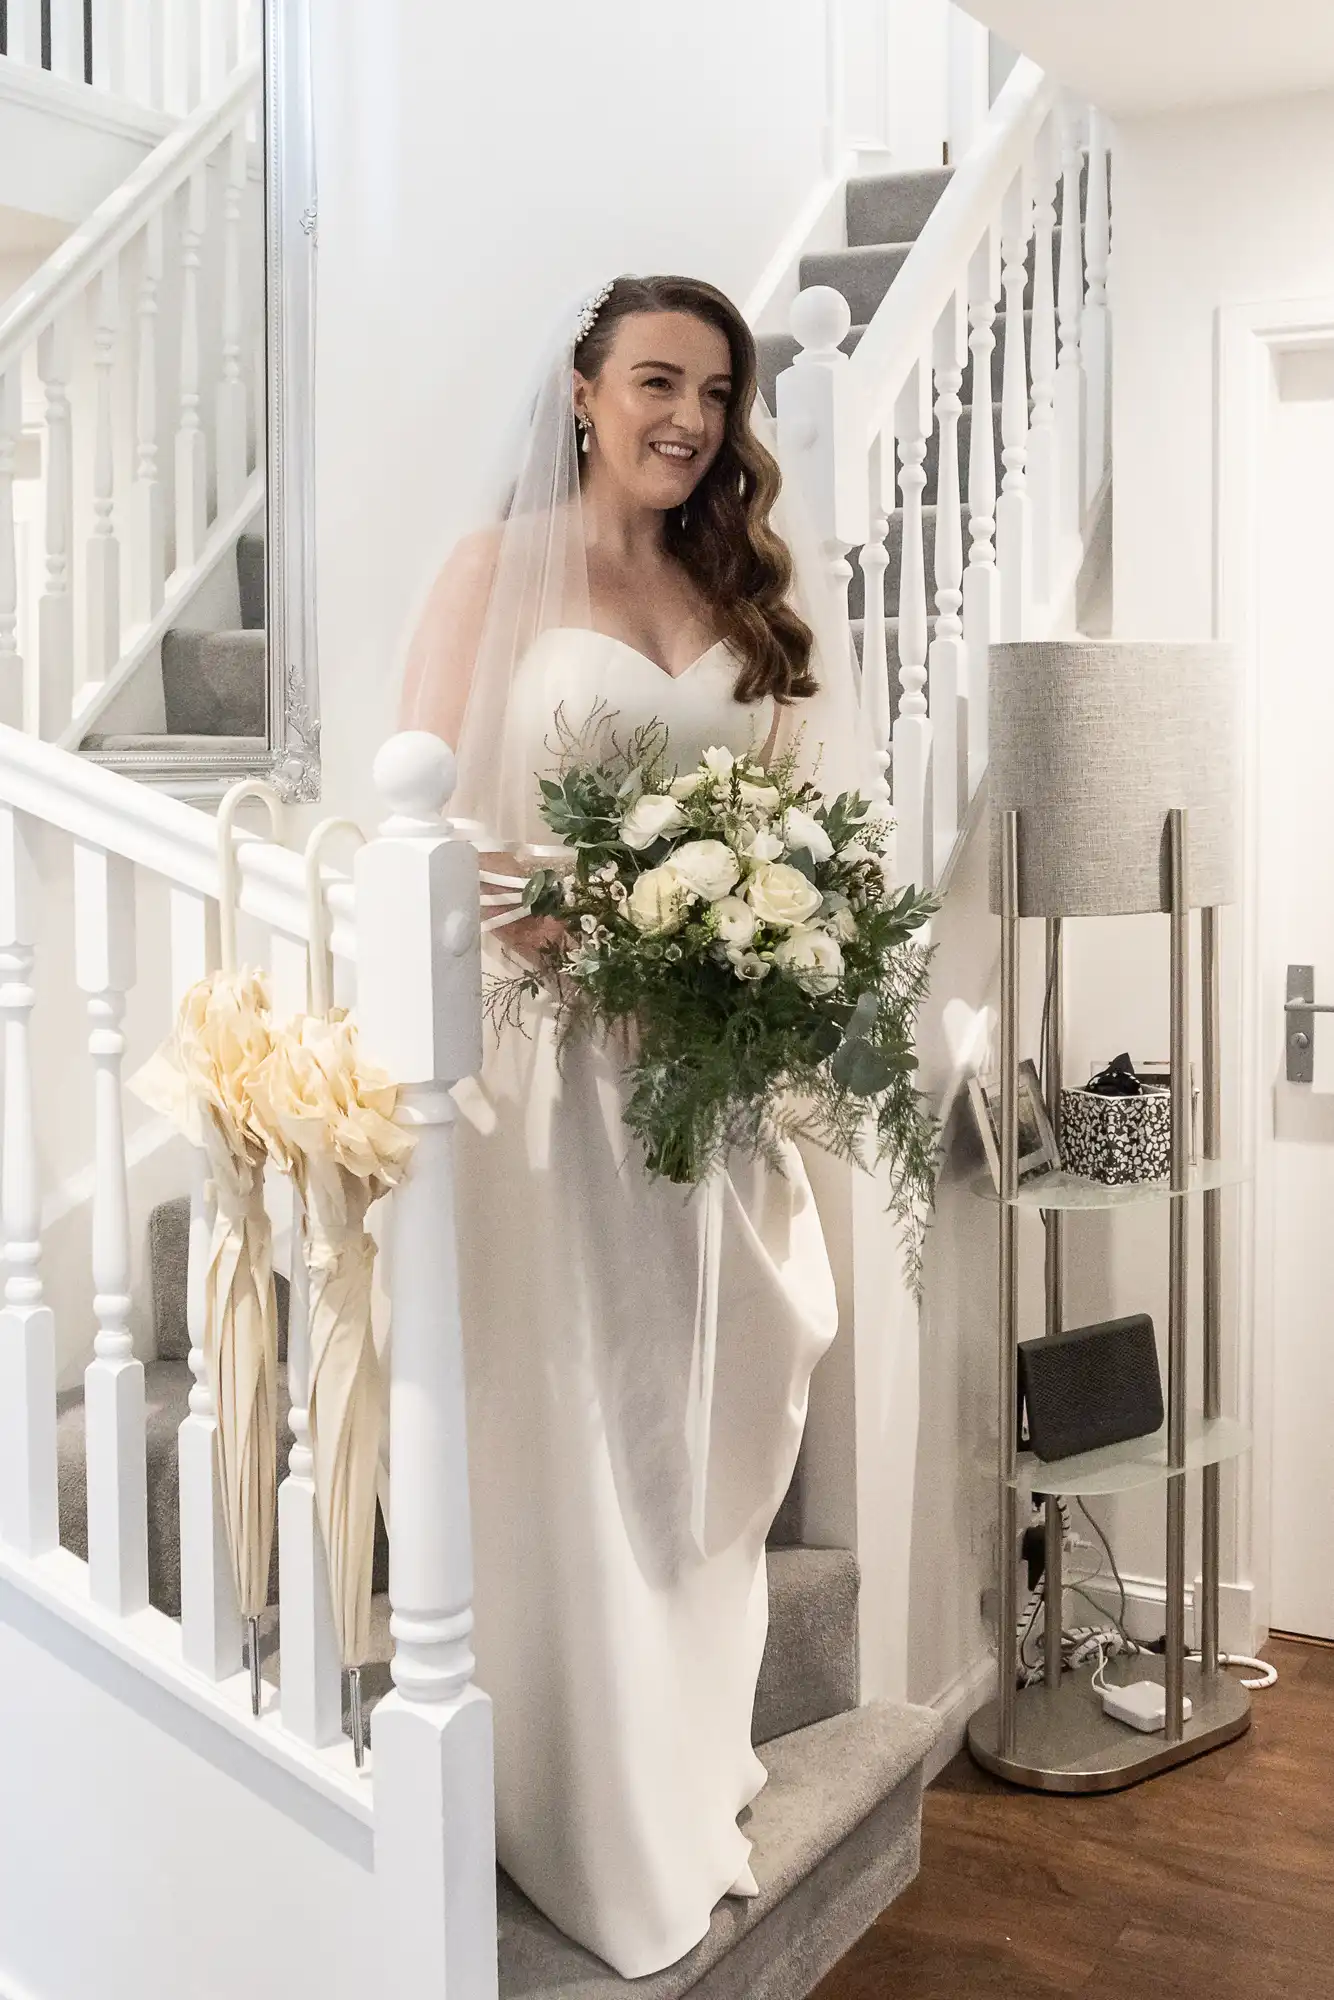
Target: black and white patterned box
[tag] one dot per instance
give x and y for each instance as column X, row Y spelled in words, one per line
column 1116, row 1139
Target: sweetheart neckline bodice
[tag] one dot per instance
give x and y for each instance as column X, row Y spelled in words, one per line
column 614, row 639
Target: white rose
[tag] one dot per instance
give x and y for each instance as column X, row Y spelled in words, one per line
column 781, row 895
column 810, row 957
column 800, row 830
column 707, row 867
column 719, row 761
column 736, row 921
column 841, row 924
column 658, row 900
column 651, row 815
column 763, row 845
column 690, row 781
column 765, row 797
column 747, row 964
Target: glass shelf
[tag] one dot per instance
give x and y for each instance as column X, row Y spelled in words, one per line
column 1115, row 1468
column 1062, row 1190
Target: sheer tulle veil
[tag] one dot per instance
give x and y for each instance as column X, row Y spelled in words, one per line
column 528, row 547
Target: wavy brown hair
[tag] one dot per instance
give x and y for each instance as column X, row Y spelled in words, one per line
column 726, row 544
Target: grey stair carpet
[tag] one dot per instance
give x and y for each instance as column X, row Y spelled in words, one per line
column 213, row 683
column 836, row 1835
column 250, row 580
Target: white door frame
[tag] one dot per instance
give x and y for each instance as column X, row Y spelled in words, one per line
column 1249, row 336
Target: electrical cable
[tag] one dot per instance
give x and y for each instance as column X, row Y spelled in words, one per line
column 1121, row 1619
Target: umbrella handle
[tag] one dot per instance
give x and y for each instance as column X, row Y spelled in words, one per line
column 249, row 788
column 317, row 912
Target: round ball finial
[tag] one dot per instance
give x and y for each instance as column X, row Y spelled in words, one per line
column 415, row 774
column 819, row 318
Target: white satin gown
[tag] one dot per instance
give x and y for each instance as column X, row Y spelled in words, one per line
column 621, row 1657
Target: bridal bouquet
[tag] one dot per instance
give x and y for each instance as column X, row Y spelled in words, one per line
column 743, row 928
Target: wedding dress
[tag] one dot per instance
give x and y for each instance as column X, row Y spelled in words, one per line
column 621, row 1657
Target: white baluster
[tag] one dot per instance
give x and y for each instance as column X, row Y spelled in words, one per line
column 191, row 444
column 28, row 1510
column 142, row 28
column 11, row 666
column 1069, row 512
column 217, row 45
column 808, row 396
column 948, row 657
column 232, row 418
column 148, row 527
column 874, row 560
column 181, row 56
column 103, row 547
column 107, row 46
column 104, row 963
column 912, row 730
column 1094, row 341
column 312, row 1685
column 1013, row 519
column 67, row 40
column 1041, row 465
column 418, row 1001
column 981, row 591
column 210, row 1621
column 55, row 611
column 23, row 32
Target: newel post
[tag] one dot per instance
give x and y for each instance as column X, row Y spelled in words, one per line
column 419, row 1006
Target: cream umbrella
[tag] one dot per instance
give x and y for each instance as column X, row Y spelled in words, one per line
column 201, row 1079
column 331, row 1114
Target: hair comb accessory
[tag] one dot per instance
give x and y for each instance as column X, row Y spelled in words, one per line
column 590, row 309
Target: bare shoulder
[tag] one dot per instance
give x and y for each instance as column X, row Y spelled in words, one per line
column 477, row 553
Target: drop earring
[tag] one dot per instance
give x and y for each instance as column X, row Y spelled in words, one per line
column 587, row 436
column 683, row 520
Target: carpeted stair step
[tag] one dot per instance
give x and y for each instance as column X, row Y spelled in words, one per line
column 836, row 1835
column 213, row 683
column 250, row 579
column 865, row 272
column 892, row 208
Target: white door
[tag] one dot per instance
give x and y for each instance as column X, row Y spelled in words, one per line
column 1295, row 659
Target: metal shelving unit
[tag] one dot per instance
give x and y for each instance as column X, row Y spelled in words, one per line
column 1054, row 1736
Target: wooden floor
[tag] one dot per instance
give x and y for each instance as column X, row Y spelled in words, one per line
column 1212, row 1882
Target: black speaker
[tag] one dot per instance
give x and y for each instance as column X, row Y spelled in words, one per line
column 1090, row 1386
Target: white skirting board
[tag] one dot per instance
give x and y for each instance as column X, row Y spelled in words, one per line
column 956, row 1705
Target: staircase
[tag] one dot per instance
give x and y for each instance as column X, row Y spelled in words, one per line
column 836, row 1828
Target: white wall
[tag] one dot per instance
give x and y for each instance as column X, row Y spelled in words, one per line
column 469, row 183
column 1210, row 207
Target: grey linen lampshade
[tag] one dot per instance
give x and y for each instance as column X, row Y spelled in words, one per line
column 1094, row 742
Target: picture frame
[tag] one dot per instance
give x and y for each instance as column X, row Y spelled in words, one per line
column 1038, row 1152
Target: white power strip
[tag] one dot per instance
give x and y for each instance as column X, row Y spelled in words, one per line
column 1143, row 1704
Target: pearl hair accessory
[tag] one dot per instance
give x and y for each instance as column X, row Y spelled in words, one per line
column 590, row 309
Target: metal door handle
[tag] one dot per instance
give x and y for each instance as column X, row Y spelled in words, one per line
column 1300, row 1009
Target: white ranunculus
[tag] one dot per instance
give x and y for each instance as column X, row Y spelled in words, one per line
column 707, row 867
column 736, row 921
column 651, row 815
column 841, row 924
column 747, row 964
column 763, row 845
column 811, row 957
column 781, row 895
column 763, row 797
column 800, row 830
column 658, row 900
column 719, row 760
column 688, row 782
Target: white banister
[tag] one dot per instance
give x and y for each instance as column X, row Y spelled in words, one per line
column 23, row 32
column 11, row 665
column 143, row 56
column 912, row 730
column 1041, row 466
column 104, row 965
column 103, row 546
column 981, row 593
column 312, row 1680
column 107, row 46
column 874, row 561
column 67, row 39
column 1013, row 517
column 1094, row 344
column 1069, row 301
column 419, row 1004
column 810, row 410
column 231, row 433
column 28, row 1510
column 191, row 445
column 148, row 527
column 55, row 610
column 210, row 1621
column 947, row 659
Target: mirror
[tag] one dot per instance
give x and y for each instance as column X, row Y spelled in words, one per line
column 157, row 248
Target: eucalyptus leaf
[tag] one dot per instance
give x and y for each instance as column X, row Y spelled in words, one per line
column 862, row 1068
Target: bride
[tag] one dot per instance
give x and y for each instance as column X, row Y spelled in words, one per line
column 637, row 570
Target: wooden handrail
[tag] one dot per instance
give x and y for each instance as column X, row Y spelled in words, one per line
column 66, row 275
